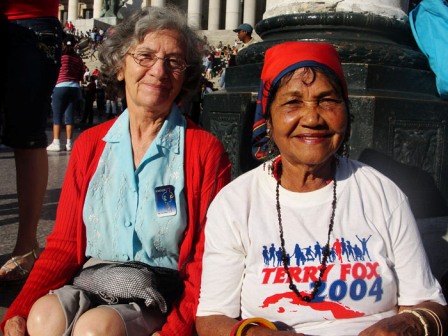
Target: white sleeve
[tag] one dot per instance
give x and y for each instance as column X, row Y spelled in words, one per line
column 416, row 282
column 223, row 262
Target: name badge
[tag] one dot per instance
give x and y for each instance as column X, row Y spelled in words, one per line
column 165, row 201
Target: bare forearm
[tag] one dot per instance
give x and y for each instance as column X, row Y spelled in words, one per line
column 429, row 309
column 220, row 324
column 420, row 319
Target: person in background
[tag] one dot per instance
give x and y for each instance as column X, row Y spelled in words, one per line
column 66, row 96
column 244, row 33
column 89, row 99
column 222, row 79
column 277, row 260
column 209, row 69
column 111, row 104
column 137, row 188
column 232, row 57
column 86, row 76
column 100, row 98
column 206, row 87
column 93, row 50
column 31, row 49
column 96, row 72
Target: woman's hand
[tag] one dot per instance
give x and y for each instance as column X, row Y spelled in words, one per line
column 397, row 325
column 15, row 326
column 407, row 323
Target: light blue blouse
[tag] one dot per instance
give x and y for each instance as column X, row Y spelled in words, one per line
column 138, row 214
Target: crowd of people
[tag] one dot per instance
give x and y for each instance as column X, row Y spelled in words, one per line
column 215, row 61
column 217, row 58
column 86, row 43
column 148, row 196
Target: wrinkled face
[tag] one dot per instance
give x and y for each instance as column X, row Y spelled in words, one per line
column 308, row 120
column 156, row 87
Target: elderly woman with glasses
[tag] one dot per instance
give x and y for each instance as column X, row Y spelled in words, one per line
column 136, row 189
column 315, row 243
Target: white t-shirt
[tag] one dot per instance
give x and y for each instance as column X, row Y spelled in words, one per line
column 377, row 260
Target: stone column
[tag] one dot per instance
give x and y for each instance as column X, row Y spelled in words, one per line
column 97, row 8
column 158, row 3
column 213, row 14
column 232, row 14
column 195, row 13
column 73, row 10
column 250, row 8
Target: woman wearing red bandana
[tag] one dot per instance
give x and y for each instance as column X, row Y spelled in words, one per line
column 311, row 242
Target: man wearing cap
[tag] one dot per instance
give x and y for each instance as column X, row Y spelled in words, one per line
column 244, row 32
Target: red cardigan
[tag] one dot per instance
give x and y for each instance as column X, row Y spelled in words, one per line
column 207, row 170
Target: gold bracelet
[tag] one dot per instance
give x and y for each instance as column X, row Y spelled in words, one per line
column 422, row 320
column 256, row 321
column 435, row 317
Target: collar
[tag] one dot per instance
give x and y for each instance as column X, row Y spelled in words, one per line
column 169, row 136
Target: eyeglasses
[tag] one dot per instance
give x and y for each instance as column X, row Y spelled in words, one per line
column 147, row 59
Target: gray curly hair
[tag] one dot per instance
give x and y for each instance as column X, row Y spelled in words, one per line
column 133, row 30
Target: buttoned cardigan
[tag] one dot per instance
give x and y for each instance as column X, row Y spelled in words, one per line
column 207, row 170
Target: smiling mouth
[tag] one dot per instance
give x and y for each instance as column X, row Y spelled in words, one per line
column 153, row 84
column 313, row 136
column 156, row 86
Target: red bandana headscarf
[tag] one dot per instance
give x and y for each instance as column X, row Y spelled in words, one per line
column 280, row 60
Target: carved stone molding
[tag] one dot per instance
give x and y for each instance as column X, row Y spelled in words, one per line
column 419, row 144
column 359, row 38
column 225, row 126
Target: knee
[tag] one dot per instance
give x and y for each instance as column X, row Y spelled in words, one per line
column 100, row 321
column 46, row 315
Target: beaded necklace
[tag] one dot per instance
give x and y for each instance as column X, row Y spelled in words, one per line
column 326, row 251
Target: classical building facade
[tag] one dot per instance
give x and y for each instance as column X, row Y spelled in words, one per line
column 202, row 14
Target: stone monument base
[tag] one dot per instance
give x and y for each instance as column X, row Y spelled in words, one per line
column 395, row 112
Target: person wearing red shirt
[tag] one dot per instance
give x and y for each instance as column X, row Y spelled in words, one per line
column 32, row 52
column 96, row 72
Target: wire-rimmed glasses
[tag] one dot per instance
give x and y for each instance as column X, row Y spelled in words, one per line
column 147, row 59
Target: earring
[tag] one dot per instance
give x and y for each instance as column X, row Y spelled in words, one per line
column 268, row 136
column 273, row 152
